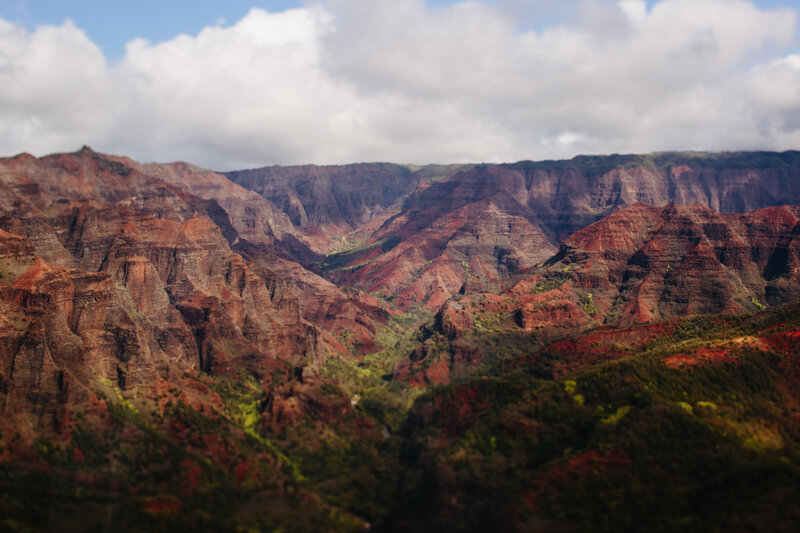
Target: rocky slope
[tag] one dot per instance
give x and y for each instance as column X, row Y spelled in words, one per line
column 421, row 238
column 567, row 195
column 644, row 263
column 386, row 347
column 112, row 274
column 455, row 236
column 638, row 265
column 141, row 327
column 267, row 237
column 327, row 203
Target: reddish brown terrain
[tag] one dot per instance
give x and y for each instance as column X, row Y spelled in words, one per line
column 265, row 235
column 191, row 270
column 645, row 263
column 328, row 203
column 112, row 274
column 421, row 240
column 117, row 271
column 641, row 264
column 349, row 340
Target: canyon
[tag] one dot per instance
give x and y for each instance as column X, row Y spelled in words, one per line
column 453, row 347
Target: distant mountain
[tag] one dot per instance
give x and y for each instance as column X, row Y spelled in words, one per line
column 329, row 202
column 420, row 238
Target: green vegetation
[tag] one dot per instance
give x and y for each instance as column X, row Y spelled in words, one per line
column 155, row 471
column 114, row 167
column 347, row 252
column 527, row 435
column 648, row 448
column 663, row 161
column 108, row 165
column 587, row 304
column 551, row 282
column 389, row 243
column 616, row 417
column 435, row 173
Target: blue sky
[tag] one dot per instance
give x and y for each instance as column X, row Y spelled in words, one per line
column 111, row 24
column 226, row 86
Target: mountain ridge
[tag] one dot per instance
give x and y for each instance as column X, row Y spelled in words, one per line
column 524, row 344
column 552, row 199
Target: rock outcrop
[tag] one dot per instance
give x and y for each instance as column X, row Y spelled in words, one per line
column 421, row 238
column 329, row 202
column 644, row 263
column 109, row 273
column 639, row 265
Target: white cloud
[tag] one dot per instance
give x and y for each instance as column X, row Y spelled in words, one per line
column 354, row 80
column 636, row 10
column 52, row 83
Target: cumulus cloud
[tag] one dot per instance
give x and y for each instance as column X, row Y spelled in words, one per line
column 399, row 80
column 51, row 85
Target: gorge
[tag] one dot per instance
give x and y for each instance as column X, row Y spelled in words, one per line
column 606, row 342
